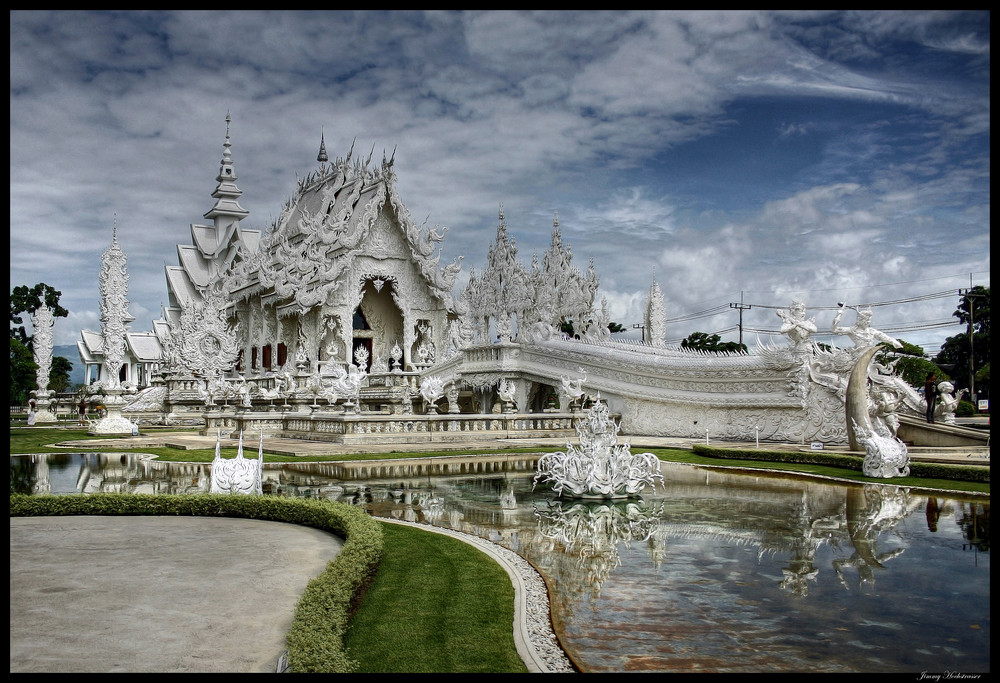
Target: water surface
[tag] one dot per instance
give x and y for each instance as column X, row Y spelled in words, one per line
column 717, row 571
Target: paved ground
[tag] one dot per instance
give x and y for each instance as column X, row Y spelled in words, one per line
column 156, row 594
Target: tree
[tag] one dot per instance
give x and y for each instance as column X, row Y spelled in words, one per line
column 22, row 372
column 59, row 374
column 702, row 341
column 566, row 326
column 956, row 355
column 25, row 300
column 910, row 363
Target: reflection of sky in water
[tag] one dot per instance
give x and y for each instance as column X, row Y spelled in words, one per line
column 716, row 572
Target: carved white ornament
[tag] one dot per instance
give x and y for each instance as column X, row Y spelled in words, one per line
column 432, row 389
column 238, row 475
column 43, row 321
column 600, row 467
column 207, row 343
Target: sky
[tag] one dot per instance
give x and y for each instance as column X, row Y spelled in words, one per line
column 742, row 160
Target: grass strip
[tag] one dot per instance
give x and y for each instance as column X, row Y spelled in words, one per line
column 958, row 478
column 456, row 616
column 40, row 439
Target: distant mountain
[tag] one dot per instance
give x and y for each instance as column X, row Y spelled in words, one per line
column 72, row 354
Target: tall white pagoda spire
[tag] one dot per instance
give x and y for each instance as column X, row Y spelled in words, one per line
column 114, row 325
column 227, row 209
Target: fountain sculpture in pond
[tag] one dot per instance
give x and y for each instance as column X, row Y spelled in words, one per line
column 238, row 475
column 600, row 467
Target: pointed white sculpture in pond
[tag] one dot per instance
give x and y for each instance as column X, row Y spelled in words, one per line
column 238, row 475
column 600, row 467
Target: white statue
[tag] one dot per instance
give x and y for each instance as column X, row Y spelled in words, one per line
column 861, row 333
column 238, row 475
column 507, row 391
column 574, row 387
column 883, row 409
column 795, row 326
column 947, row 402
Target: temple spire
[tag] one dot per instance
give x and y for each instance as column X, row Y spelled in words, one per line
column 322, row 156
column 227, row 209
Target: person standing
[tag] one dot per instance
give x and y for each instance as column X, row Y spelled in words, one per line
column 930, row 395
column 31, row 413
column 81, row 412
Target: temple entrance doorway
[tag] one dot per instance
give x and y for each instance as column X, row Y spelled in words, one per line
column 378, row 325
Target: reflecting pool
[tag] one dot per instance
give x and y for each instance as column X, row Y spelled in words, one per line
column 718, row 571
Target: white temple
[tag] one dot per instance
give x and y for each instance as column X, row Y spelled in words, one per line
column 338, row 320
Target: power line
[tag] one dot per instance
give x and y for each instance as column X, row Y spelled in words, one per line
column 708, row 312
column 874, row 304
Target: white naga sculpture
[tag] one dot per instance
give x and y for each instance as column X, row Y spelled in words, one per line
column 886, row 455
column 238, row 475
column 600, row 467
column 507, row 392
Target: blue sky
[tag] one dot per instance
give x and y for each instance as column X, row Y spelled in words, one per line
column 824, row 156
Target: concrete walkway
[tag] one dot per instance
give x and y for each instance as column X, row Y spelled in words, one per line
column 157, row 594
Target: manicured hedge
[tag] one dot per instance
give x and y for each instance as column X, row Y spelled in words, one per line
column 316, row 638
column 927, row 470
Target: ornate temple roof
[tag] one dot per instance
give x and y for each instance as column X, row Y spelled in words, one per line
column 214, row 247
column 334, row 217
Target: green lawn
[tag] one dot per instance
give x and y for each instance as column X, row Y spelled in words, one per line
column 457, row 615
column 687, row 456
column 40, row 439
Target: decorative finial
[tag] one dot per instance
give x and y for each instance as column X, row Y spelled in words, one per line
column 501, row 212
column 114, row 229
column 227, row 157
column 322, row 157
column 555, row 219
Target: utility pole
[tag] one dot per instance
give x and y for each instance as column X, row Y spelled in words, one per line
column 741, row 307
column 969, row 297
column 640, row 326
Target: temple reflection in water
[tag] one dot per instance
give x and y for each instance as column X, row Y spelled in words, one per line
column 717, row 571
